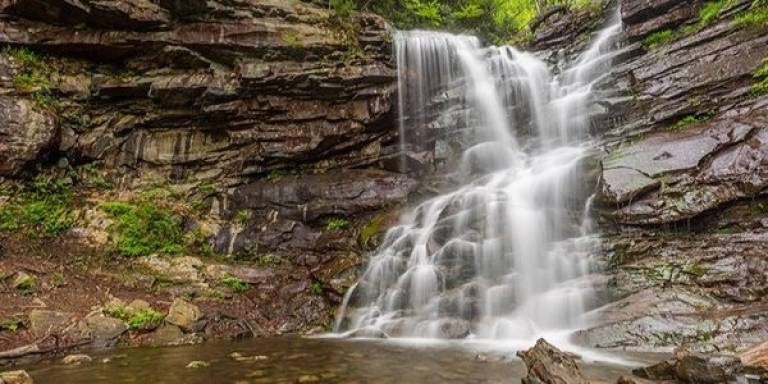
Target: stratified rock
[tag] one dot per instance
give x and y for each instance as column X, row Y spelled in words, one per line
column 76, row 359
column 707, row 369
column 756, row 355
column 186, row 315
column 548, row 365
column 16, row 377
column 26, row 134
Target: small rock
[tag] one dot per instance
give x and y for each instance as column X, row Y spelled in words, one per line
column 308, row 379
column 76, row 359
column 16, row 377
column 186, row 315
column 198, row 364
column 547, row 364
column 237, row 356
column 664, row 370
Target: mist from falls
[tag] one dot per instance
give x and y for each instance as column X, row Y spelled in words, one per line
column 506, row 255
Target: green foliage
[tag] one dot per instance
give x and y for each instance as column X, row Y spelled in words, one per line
column 234, row 283
column 243, row 216
column 761, row 75
column 713, row 9
column 10, row 325
column 756, row 16
column 143, row 228
column 317, row 287
column 343, row 7
column 117, row 311
column 26, row 284
column 692, row 120
column 146, row 319
column 336, row 224
column 498, row 21
column 371, row 229
column 42, row 208
column 276, row 175
column 267, row 260
column 33, row 77
column 659, row 38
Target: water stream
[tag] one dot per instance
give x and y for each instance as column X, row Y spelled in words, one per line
column 505, row 255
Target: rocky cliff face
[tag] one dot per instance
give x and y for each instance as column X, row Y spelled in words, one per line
column 680, row 195
column 274, row 117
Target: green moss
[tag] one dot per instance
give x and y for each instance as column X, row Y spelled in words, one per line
column 371, row 229
column 713, row 9
column 243, row 216
column 146, row 319
column 291, row 38
column 143, row 228
column 761, row 77
column 234, row 283
column 659, row 38
column 117, row 312
column 276, row 175
column 692, row 120
column 267, row 260
column 11, row 325
column 317, row 287
column 42, row 208
column 34, row 76
column 336, row 224
column 26, row 284
column 343, row 8
column 756, row 16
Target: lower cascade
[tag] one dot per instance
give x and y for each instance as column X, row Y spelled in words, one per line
column 506, row 255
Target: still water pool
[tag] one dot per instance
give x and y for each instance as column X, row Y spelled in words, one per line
column 303, row 360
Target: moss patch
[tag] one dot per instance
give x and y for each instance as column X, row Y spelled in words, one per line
column 761, row 77
column 143, row 228
column 42, row 208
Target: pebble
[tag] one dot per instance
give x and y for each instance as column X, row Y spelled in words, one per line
column 76, row 359
column 198, row 364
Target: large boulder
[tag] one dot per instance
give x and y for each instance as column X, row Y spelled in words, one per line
column 26, row 134
column 186, row 315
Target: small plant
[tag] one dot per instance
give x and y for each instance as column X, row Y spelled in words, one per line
column 266, row 260
column 761, row 75
column 25, row 283
column 243, row 217
column 343, row 8
column 41, row 208
column 146, row 319
column 34, row 76
column 659, row 38
column 317, row 287
column 275, row 176
column 234, row 283
column 336, row 224
column 144, row 228
column 58, row 279
column 692, row 119
column 713, row 9
column 11, row 325
column 117, row 311
column 756, row 16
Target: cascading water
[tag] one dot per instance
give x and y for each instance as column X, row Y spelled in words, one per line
column 505, row 256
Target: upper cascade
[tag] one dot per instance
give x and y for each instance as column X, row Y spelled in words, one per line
column 506, row 255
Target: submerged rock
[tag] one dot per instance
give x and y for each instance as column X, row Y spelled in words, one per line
column 76, row 359
column 548, row 365
column 16, row 377
column 198, row 364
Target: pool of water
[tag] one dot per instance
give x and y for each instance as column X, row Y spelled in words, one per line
column 300, row 360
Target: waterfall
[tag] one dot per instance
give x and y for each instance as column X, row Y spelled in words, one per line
column 506, row 254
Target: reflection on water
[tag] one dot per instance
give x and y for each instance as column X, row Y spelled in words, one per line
column 300, row 360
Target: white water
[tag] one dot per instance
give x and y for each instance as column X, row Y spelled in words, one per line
column 505, row 256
